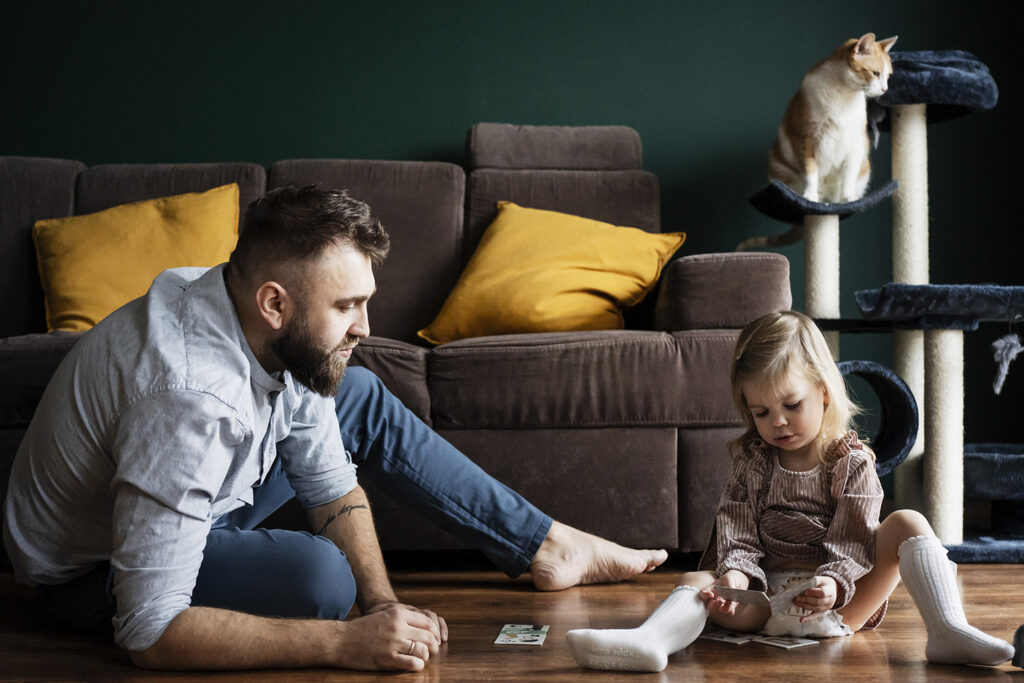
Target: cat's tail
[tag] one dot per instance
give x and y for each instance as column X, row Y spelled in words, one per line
column 791, row 236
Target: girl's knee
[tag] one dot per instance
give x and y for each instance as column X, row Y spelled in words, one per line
column 905, row 524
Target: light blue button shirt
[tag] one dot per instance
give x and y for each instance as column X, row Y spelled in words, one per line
column 159, row 421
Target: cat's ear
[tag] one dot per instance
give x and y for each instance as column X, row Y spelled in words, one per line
column 865, row 44
column 888, row 43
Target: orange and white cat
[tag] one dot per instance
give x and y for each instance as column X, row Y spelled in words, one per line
column 822, row 148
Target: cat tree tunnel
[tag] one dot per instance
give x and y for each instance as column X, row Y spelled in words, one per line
column 926, row 87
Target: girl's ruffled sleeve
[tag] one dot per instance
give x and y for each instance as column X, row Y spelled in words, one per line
column 737, row 542
column 850, row 539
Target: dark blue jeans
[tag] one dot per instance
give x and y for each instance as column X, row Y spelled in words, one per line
column 296, row 574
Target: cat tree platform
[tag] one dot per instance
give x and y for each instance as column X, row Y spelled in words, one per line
column 950, row 83
column 995, row 472
column 943, row 313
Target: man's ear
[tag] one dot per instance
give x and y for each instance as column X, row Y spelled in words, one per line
column 274, row 304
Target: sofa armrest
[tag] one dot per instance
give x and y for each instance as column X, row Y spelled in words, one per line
column 729, row 290
column 27, row 362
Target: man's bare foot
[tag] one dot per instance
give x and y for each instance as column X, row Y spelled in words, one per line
column 570, row 557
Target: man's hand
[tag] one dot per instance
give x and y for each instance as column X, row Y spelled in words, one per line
column 819, row 599
column 715, row 602
column 390, row 638
column 440, row 628
column 395, row 638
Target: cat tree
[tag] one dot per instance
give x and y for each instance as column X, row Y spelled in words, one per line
column 927, row 323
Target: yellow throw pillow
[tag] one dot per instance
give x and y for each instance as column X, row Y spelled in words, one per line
column 92, row 264
column 543, row 271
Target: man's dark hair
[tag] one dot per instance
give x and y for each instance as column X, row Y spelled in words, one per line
column 297, row 223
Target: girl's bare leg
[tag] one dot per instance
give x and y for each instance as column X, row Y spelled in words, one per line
column 905, row 543
column 877, row 585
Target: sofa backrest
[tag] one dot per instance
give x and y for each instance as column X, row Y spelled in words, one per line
column 435, row 217
column 589, row 171
column 421, row 205
column 101, row 187
column 30, row 189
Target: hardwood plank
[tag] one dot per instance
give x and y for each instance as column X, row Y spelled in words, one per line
column 477, row 603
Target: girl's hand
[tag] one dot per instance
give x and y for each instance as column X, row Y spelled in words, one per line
column 716, row 603
column 819, row 599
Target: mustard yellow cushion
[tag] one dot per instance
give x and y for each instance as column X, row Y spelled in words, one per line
column 544, row 271
column 92, row 264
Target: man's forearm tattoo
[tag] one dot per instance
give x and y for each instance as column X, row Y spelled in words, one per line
column 347, row 510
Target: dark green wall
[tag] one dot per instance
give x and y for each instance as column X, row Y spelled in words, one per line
column 704, row 83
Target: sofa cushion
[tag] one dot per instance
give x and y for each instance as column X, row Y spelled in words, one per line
column 30, row 188
column 584, row 379
column 421, row 205
column 545, row 271
column 401, row 366
column 617, row 197
column 701, row 291
column 503, row 145
column 101, row 187
column 636, row 504
column 27, row 363
column 90, row 265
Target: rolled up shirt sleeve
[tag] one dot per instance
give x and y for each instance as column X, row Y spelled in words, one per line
column 173, row 451
column 313, row 455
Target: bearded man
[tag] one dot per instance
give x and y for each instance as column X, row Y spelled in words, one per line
column 186, row 417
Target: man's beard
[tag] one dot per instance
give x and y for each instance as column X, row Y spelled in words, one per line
column 318, row 369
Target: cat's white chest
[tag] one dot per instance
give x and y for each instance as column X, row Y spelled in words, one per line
column 841, row 133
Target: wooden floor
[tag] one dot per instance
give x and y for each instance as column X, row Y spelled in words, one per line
column 477, row 603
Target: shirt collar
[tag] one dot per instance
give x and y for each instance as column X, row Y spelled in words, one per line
column 260, row 377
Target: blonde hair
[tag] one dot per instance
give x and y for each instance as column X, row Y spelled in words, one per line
column 774, row 345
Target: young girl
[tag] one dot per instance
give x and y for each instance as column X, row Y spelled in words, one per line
column 801, row 507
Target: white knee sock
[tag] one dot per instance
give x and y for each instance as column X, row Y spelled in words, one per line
column 930, row 579
column 675, row 624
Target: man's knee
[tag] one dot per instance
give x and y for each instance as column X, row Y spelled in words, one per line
column 274, row 572
column 320, row 581
column 359, row 380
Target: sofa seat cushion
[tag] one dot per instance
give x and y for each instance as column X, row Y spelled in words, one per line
column 27, row 362
column 583, row 379
column 630, row 472
column 401, row 366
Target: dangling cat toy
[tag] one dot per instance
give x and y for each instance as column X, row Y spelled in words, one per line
column 822, row 147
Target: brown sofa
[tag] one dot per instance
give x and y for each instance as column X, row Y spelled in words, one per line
column 618, row 432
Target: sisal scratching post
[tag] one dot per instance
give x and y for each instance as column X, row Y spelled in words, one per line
column 944, row 434
column 821, row 271
column 908, row 362
column 910, row 265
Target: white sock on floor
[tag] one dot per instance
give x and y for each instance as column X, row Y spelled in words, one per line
column 930, row 579
column 675, row 624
